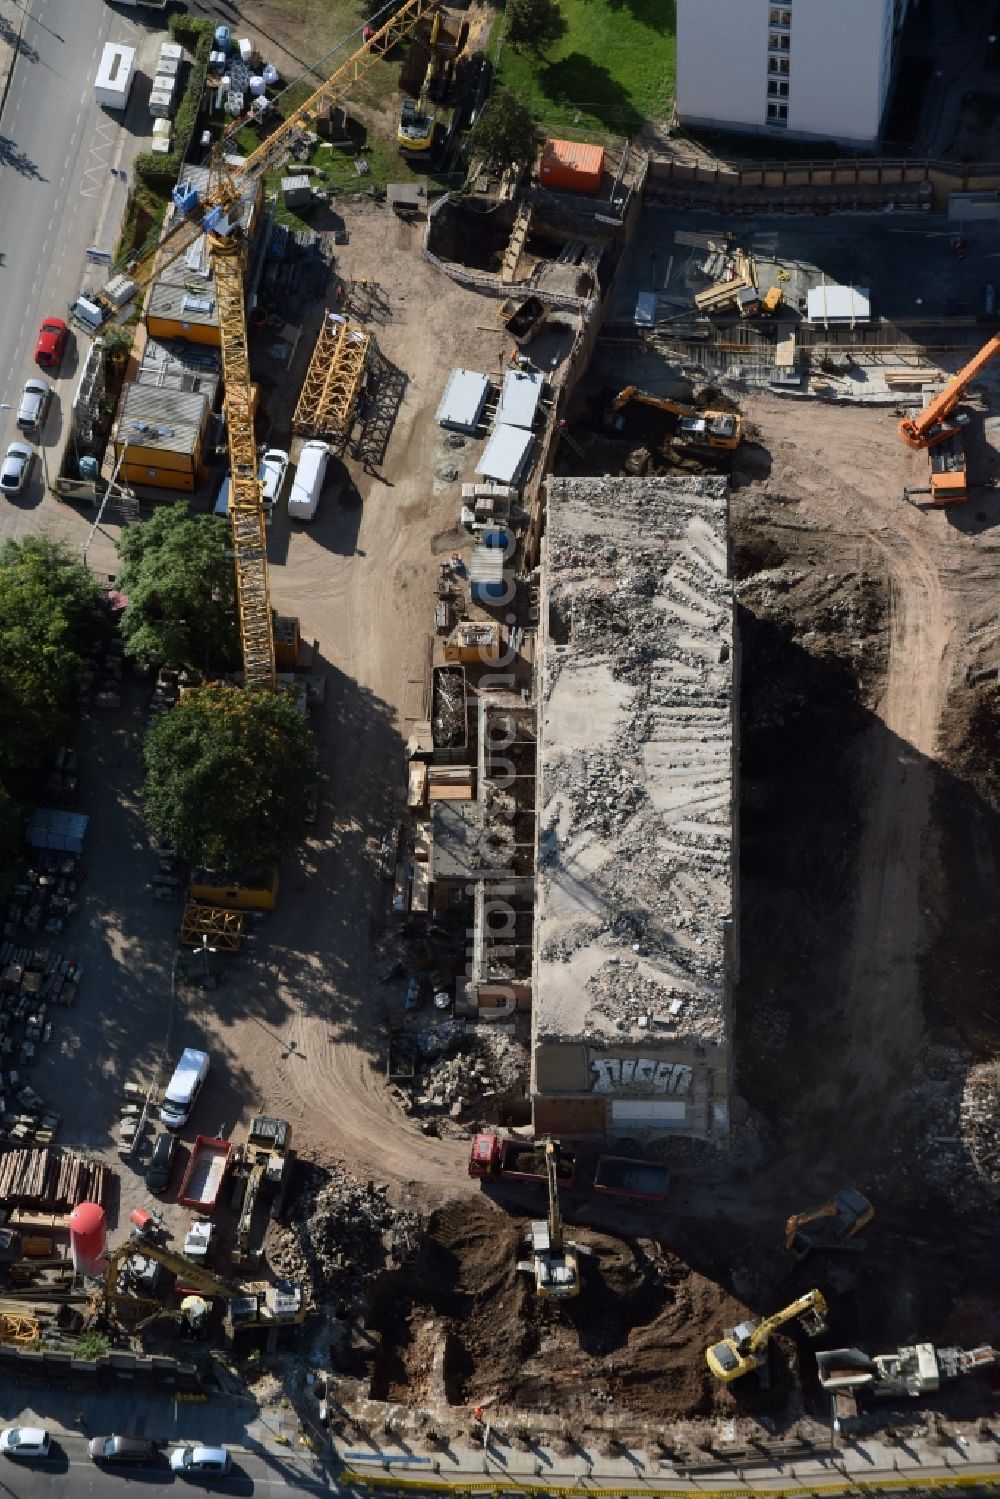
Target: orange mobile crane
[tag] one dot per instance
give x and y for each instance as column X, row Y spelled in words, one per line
column 216, row 214
column 939, row 429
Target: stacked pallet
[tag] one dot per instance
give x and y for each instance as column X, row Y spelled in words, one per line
column 52, row 1179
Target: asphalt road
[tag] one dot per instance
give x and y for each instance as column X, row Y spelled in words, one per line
column 57, row 149
column 69, row 1470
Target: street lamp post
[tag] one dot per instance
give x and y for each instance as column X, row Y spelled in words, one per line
column 206, row 950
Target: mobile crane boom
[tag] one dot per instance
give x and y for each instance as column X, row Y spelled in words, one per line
column 213, row 215
column 744, row 1348
column 932, row 424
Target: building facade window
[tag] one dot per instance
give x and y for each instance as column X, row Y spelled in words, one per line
column 777, row 114
column 777, row 41
column 777, row 67
column 777, row 90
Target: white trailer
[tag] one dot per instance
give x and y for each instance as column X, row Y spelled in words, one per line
column 115, row 75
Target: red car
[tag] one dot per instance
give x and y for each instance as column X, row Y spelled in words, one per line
column 52, row 336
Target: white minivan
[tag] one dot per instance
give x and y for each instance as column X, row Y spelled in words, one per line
column 303, row 498
column 184, row 1087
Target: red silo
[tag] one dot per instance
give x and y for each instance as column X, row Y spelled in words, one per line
column 88, row 1238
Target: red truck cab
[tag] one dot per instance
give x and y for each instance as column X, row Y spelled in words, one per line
column 484, row 1157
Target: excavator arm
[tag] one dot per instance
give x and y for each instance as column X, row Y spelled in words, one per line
column 662, row 403
column 811, row 1308
column 931, row 425
column 178, row 1264
column 555, row 1215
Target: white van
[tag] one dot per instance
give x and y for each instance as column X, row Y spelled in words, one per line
column 303, row 498
column 184, row 1087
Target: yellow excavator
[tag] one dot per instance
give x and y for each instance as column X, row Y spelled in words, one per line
column 258, row 1304
column 743, row 1349
column 721, row 430
column 265, row 1158
column 554, row 1261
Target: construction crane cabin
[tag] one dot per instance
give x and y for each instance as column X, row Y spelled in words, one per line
column 218, row 216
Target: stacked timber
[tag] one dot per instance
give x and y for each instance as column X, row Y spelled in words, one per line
column 52, row 1179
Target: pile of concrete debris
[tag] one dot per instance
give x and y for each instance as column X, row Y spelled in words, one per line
column 979, row 1121
column 465, row 1067
column 344, row 1232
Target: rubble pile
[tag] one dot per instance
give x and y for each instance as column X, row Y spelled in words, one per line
column 464, row 1067
column 343, row 1233
column 979, row 1121
column 636, row 745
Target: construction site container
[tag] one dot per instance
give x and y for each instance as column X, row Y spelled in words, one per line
column 520, row 397
column 115, row 75
column 296, row 192
column 507, row 454
column 62, row 831
column 572, row 166
column 620, row 1176
column 251, row 893
column 462, row 404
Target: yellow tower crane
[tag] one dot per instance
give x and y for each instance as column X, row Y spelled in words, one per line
column 216, row 214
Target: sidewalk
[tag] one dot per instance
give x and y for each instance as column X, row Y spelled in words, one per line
column 11, row 22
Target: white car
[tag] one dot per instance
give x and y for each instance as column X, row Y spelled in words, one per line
column 193, row 1461
column 34, row 404
column 24, row 1441
column 272, row 471
column 16, row 468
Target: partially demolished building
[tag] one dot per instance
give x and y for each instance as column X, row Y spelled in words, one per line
column 635, row 933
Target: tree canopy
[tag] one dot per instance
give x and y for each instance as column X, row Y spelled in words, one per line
column 533, row 25
column 229, row 772
column 178, row 575
column 50, row 611
column 505, row 131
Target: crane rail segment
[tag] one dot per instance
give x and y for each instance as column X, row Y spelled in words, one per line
column 330, row 389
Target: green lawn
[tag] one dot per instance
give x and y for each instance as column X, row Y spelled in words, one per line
column 611, row 71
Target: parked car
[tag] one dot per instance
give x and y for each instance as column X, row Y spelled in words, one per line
column 34, row 404
column 51, row 345
column 121, row 1450
column 414, row 993
column 16, row 468
column 24, row 1441
column 161, row 1163
column 272, row 471
column 194, row 1461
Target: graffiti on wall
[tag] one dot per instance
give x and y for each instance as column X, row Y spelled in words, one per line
column 639, row 1075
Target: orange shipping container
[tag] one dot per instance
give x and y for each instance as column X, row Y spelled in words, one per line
column 572, row 165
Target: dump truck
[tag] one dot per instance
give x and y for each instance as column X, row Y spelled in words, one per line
column 205, row 1173
column 831, row 1226
column 621, row 1176
column 500, row 1157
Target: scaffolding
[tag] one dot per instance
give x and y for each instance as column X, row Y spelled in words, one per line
column 333, row 381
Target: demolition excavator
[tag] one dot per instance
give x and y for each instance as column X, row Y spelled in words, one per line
column 915, row 1370
column 831, row 1226
column 718, row 430
column 554, row 1262
column 744, row 1348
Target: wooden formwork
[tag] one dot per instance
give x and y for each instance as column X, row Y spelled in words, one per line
column 333, row 380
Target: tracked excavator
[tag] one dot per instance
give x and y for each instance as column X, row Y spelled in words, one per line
column 554, row 1261
column 938, row 428
column 832, row 1226
column 918, row 1369
column 744, row 1348
column 719, row 430
column 259, row 1304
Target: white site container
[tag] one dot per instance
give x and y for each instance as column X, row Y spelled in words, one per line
column 115, row 76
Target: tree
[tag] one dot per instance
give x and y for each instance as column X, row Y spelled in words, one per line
column 229, row 772
column 181, row 591
column 50, row 611
column 533, row 25
column 505, row 131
